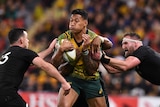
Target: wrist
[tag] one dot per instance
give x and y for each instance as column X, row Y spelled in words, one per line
column 85, row 52
column 104, row 60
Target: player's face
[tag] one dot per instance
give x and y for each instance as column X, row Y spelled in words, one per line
column 128, row 46
column 77, row 24
column 25, row 40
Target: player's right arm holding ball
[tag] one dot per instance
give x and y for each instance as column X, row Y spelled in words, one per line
column 57, row 58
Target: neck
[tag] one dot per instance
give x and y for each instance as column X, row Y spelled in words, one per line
column 78, row 36
column 17, row 44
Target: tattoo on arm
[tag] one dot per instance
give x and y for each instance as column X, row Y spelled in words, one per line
column 90, row 65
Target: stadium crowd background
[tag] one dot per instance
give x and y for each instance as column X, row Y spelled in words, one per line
column 46, row 19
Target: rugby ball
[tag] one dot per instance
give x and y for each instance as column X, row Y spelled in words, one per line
column 68, row 56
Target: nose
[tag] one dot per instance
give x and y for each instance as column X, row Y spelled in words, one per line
column 72, row 24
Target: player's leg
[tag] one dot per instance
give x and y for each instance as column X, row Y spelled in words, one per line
column 104, row 89
column 94, row 93
column 81, row 101
column 97, row 102
column 68, row 100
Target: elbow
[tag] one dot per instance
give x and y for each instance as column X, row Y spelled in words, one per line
column 110, row 45
column 107, row 45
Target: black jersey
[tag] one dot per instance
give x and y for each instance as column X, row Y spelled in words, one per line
column 149, row 68
column 13, row 64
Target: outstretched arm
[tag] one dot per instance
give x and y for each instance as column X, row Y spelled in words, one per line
column 111, row 69
column 53, row 72
column 49, row 50
column 121, row 65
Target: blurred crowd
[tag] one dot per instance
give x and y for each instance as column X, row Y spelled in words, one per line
column 46, row 19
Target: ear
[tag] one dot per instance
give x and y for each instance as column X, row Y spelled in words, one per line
column 85, row 22
column 20, row 40
column 136, row 45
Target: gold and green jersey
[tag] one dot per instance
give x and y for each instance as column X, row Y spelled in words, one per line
column 79, row 70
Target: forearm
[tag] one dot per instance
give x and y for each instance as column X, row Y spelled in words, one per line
column 45, row 53
column 120, row 65
column 89, row 63
column 53, row 72
column 49, row 50
column 57, row 59
column 111, row 69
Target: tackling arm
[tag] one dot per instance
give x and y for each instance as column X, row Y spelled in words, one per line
column 49, row 50
column 122, row 65
column 53, row 72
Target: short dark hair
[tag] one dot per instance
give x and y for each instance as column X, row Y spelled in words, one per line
column 15, row 34
column 81, row 12
column 133, row 35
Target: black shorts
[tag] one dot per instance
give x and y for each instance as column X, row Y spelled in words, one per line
column 13, row 100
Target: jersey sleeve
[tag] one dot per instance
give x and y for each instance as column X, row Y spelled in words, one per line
column 29, row 55
column 65, row 35
column 92, row 34
column 140, row 53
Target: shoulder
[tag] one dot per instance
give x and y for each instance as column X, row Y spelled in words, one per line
column 24, row 52
column 142, row 52
column 144, row 49
column 65, row 35
column 92, row 34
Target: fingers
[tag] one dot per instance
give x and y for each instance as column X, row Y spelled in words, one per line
column 67, row 45
column 86, row 41
column 66, row 88
column 53, row 43
column 85, row 37
column 66, row 92
column 95, row 48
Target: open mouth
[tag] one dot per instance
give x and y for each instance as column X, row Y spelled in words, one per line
column 126, row 50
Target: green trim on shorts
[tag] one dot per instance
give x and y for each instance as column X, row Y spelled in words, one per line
column 90, row 88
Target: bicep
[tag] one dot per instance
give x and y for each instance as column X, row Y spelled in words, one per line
column 39, row 62
column 124, row 65
column 132, row 62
